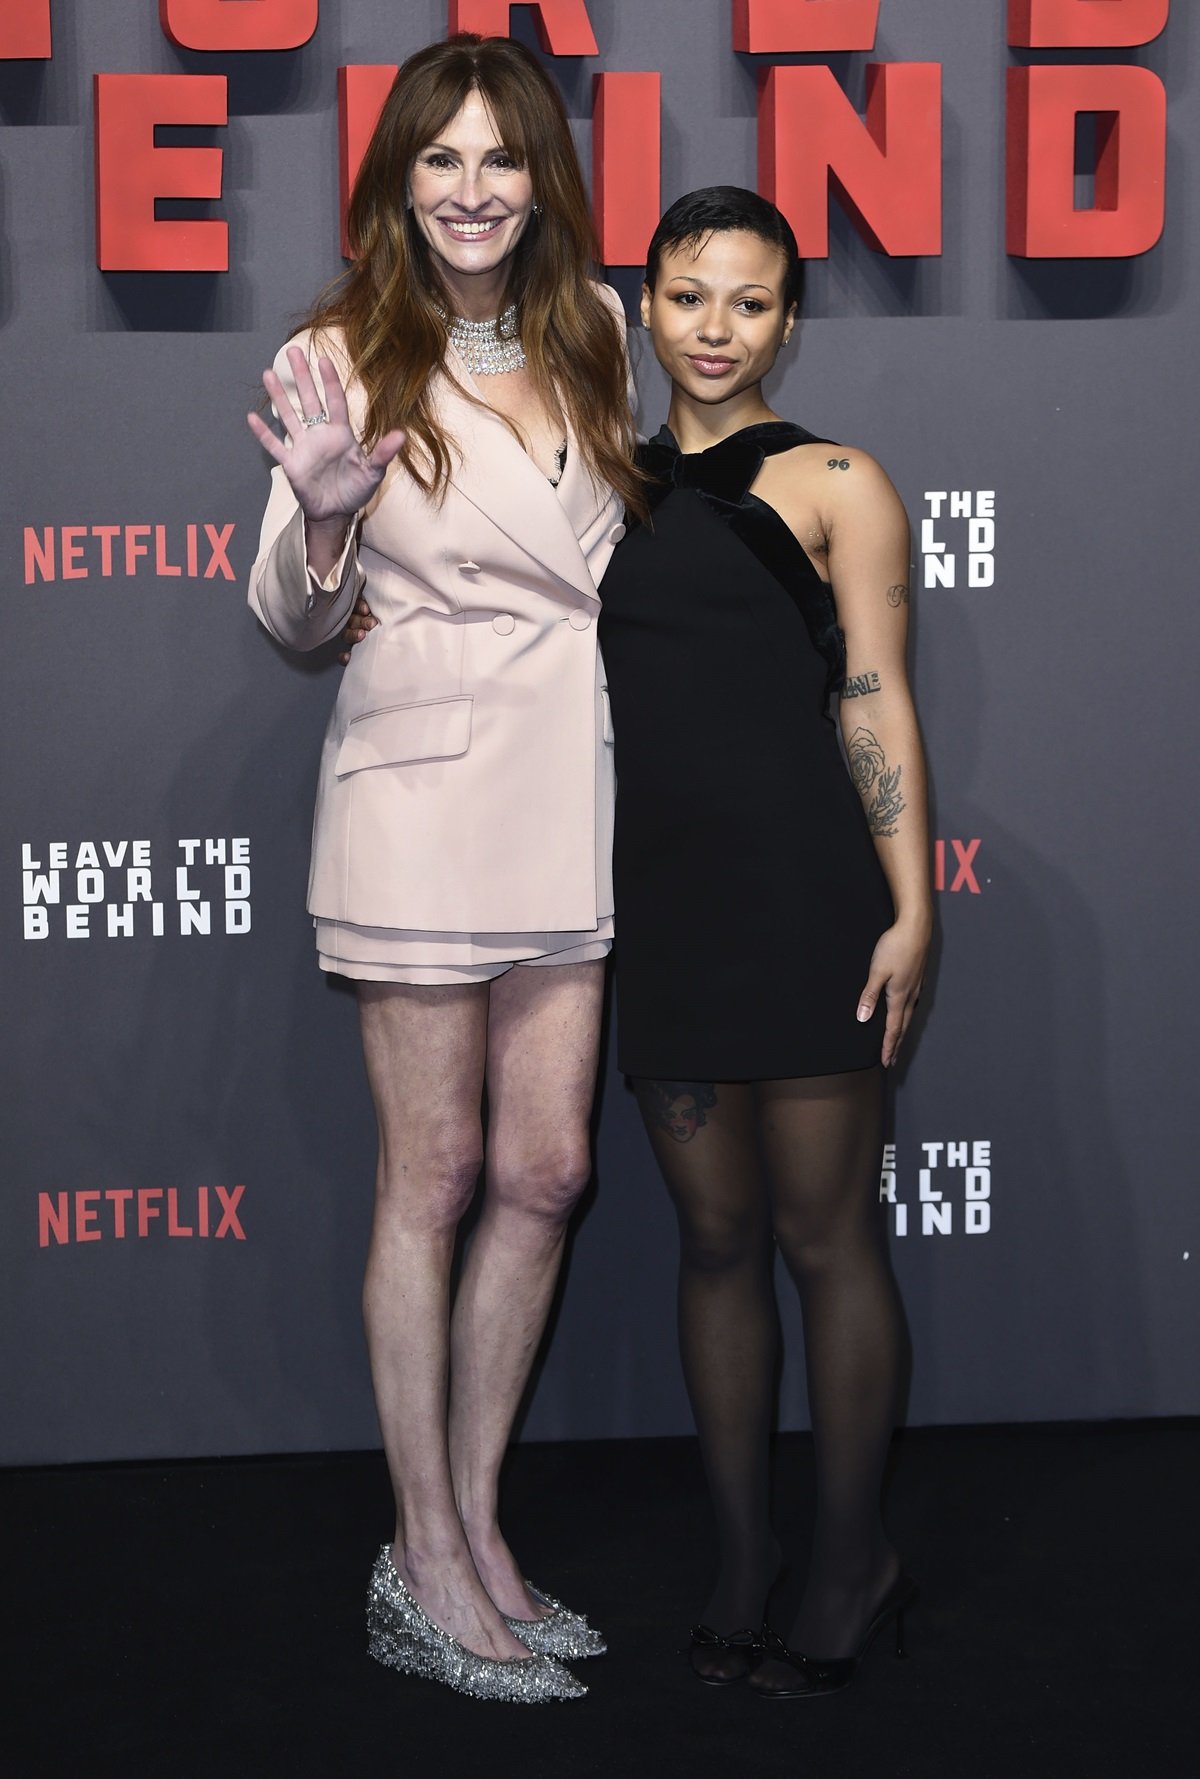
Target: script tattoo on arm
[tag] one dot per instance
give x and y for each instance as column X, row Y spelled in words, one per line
column 877, row 783
column 897, row 595
column 676, row 1107
column 859, row 684
column 838, row 463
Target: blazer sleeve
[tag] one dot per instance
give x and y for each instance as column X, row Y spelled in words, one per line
column 286, row 595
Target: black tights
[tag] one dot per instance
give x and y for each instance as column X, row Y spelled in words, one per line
column 793, row 1163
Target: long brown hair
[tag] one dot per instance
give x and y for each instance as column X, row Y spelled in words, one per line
column 390, row 304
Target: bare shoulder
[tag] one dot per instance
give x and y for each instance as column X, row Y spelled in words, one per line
column 610, row 298
column 851, row 491
column 822, row 484
column 842, row 471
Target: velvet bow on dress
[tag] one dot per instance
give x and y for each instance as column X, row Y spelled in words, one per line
column 722, row 477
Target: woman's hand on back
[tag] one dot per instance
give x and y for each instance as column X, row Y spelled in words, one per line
column 331, row 475
column 359, row 625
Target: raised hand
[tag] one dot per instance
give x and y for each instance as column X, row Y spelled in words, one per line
column 330, row 473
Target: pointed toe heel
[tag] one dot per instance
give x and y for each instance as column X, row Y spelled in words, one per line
column 401, row 1635
column 815, row 1676
column 560, row 1633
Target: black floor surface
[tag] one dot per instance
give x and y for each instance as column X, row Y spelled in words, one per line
column 206, row 1619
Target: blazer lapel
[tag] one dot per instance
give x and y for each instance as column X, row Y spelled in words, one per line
column 498, row 477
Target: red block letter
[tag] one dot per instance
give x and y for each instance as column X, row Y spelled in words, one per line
column 1085, row 24
column 887, row 174
column 24, row 30
column 1127, row 218
column 773, row 27
column 626, row 165
column 86, row 1211
column 361, row 93
column 131, row 173
column 238, row 24
column 563, row 26
column 53, row 1219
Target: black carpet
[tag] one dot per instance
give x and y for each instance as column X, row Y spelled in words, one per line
column 208, row 1619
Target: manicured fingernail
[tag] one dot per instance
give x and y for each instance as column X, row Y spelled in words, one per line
column 864, row 1013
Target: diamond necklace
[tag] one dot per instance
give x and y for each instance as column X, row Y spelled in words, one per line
column 488, row 347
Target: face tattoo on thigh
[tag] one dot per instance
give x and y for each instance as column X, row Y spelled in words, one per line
column 678, row 1107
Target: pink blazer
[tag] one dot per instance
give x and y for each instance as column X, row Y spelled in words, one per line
column 466, row 780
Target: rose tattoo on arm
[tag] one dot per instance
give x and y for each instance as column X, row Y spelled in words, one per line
column 877, row 783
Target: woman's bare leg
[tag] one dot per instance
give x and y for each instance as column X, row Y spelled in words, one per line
column 425, row 1052
column 542, row 1048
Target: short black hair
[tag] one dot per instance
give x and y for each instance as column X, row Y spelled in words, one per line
column 723, row 209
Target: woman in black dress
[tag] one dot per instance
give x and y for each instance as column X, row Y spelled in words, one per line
column 773, row 917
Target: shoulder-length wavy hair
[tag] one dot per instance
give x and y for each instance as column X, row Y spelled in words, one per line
column 390, row 305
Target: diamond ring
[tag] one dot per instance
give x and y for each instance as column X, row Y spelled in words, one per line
column 315, row 419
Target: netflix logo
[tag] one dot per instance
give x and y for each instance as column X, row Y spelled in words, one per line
column 140, row 1213
column 102, row 552
column 954, row 867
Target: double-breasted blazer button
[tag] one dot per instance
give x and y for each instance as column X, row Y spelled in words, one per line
column 616, row 534
column 504, row 623
column 468, row 568
column 580, row 620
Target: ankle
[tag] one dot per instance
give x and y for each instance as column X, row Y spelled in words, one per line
column 742, row 1589
column 755, row 1564
column 482, row 1529
column 419, row 1559
column 865, row 1569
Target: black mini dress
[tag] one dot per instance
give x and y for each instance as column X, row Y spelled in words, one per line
column 748, row 893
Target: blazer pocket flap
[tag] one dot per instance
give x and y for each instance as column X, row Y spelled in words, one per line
column 437, row 729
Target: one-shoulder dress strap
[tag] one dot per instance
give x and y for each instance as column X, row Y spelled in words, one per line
column 723, row 473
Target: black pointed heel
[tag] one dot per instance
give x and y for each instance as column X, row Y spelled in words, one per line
column 817, row 1675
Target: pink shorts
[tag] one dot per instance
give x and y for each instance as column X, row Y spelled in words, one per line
column 385, row 954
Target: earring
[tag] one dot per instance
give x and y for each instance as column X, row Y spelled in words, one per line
column 537, row 209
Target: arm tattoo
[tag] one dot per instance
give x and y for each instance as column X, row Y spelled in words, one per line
column 877, row 783
column 838, row 463
column 897, row 595
column 676, row 1107
column 858, row 685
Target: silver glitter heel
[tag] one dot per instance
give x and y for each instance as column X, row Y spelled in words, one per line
column 561, row 1633
column 401, row 1635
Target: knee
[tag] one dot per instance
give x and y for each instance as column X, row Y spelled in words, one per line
column 814, row 1246
column 807, row 1253
column 713, row 1241
column 546, row 1186
column 433, row 1189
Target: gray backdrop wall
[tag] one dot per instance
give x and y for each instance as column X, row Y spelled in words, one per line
column 189, row 1145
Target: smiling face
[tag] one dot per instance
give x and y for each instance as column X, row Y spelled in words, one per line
column 472, row 203
column 717, row 315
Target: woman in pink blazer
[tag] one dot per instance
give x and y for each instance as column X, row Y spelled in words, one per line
column 458, row 444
